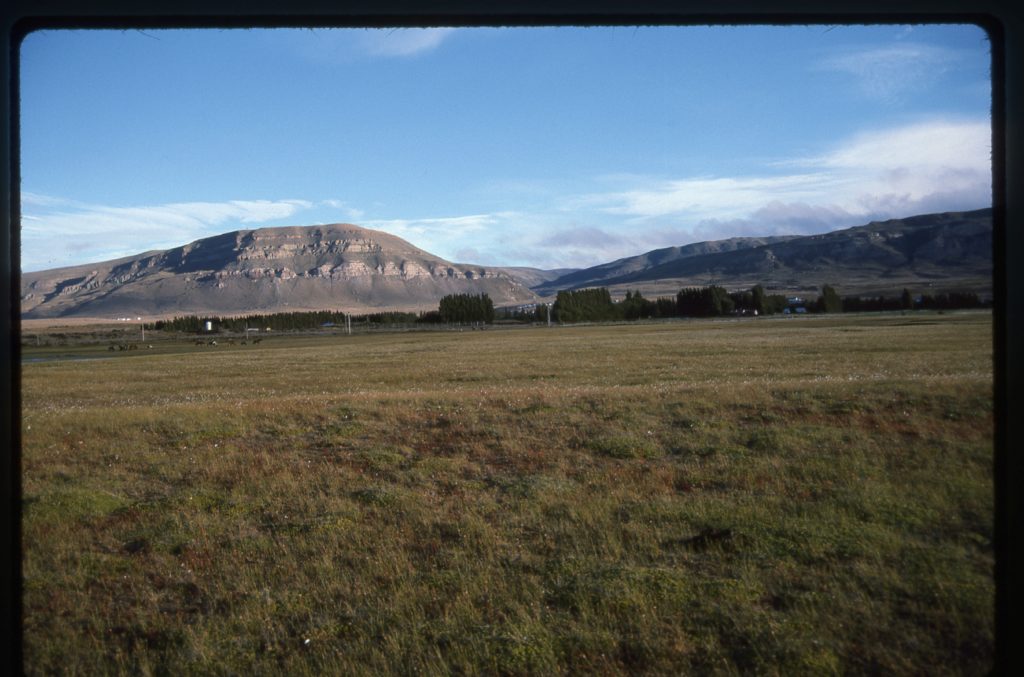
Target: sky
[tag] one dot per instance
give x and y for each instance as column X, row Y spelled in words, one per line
column 546, row 147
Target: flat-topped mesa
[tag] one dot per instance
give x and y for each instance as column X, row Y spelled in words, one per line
column 266, row 269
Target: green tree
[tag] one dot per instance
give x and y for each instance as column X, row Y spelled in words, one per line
column 665, row 307
column 636, row 306
column 759, row 304
column 466, row 308
column 585, row 305
column 704, row 302
column 829, row 301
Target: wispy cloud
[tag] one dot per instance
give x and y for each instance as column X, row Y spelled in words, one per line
column 403, row 41
column 893, row 73
column 434, row 226
column 454, row 238
column 916, row 168
column 508, row 238
column 342, row 45
column 345, row 209
column 29, row 199
column 57, row 232
column 929, row 166
column 947, row 143
column 705, row 195
column 180, row 218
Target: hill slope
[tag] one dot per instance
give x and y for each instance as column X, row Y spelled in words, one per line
column 602, row 273
column 952, row 249
column 338, row 266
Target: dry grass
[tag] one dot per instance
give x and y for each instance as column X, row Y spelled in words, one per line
column 800, row 495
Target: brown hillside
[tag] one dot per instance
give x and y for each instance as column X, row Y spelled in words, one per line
column 337, row 266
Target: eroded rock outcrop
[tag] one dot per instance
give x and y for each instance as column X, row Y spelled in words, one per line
column 339, row 266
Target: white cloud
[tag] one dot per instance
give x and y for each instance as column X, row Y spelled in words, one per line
column 508, row 238
column 58, row 232
column 719, row 196
column 347, row 211
column 343, row 45
column 450, row 237
column 403, row 41
column 439, row 226
column 965, row 144
column 892, row 73
column 929, row 166
column 37, row 200
column 914, row 169
column 180, row 217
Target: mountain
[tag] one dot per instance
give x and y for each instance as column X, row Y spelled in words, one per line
column 338, row 266
column 601, row 274
column 345, row 267
column 947, row 251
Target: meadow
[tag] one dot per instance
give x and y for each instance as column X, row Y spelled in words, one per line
column 805, row 495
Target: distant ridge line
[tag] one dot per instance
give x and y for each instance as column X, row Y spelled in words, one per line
column 347, row 267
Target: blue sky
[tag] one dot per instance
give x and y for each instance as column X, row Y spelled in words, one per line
column 545, row 147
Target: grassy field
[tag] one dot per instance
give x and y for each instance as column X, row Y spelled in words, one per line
column 793, row 496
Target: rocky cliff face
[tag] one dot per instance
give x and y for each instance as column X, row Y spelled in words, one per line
column 338, row 266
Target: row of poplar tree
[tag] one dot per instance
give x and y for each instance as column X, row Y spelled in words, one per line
column 585, row 305
column 279, row 321
column 453, row 309
column 596, row 305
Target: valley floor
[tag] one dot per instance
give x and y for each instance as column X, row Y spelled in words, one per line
column 799, row 495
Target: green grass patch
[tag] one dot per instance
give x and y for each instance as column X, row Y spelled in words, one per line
column 626, row 446
column 765, row 497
